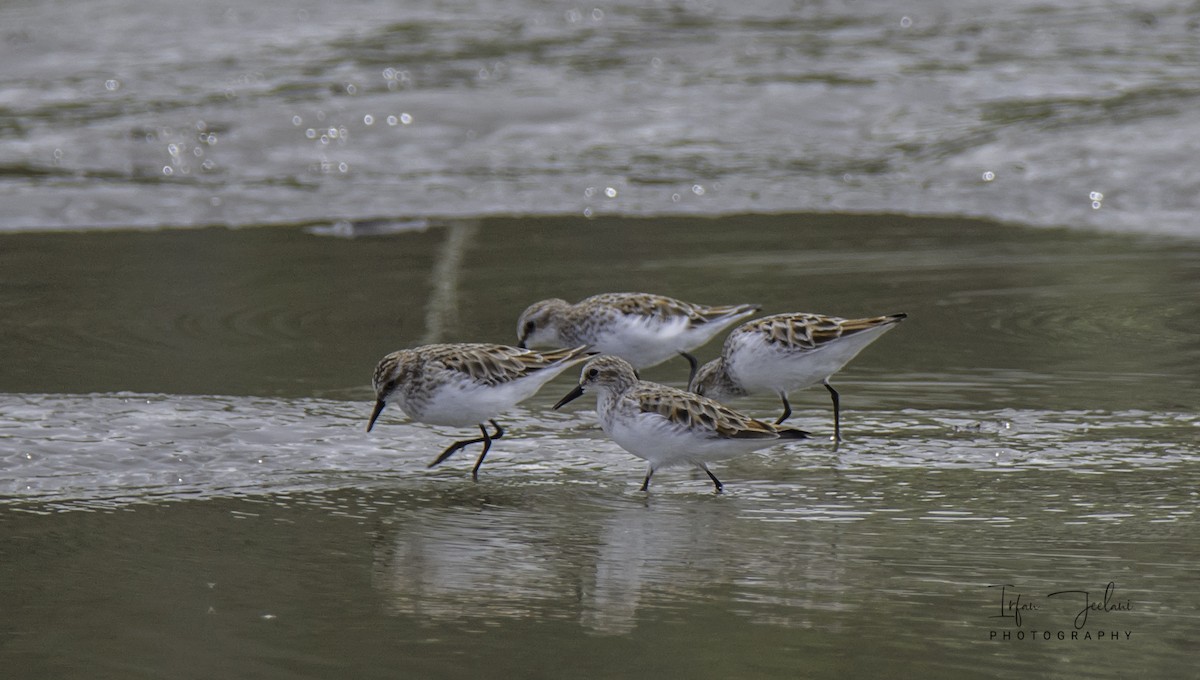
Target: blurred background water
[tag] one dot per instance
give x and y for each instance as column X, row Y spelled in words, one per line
column 1076, row 113
column 186, row 486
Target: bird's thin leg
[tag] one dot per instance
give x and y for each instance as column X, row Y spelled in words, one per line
column 716, row 482
column 787, row 409
column 499, row 432
column 646, row 481
column 454, row 448
column 695, row 366
column 486, row 440
column 487, row 444
column 837, row 416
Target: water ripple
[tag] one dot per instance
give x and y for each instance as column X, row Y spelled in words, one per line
column 516, row 107
column 80, row 449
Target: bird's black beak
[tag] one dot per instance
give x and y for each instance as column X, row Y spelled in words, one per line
column 571, row 396
column 521, row 344
column 379, row 404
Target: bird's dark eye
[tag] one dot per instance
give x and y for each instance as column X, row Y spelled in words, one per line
column 592, row 373
column 530, row 327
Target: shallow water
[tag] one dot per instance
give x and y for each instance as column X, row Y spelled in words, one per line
column 187, row 487
column 201, row 113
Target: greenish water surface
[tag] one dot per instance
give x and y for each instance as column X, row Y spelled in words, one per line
column 187, row 489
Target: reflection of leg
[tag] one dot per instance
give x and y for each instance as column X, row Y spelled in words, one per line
column 787, row 409
column 646, row 481
column 837, row 416
column 487, row 444
column 716, row 482
column 695, row 365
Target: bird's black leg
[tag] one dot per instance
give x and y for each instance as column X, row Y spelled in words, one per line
column 499, row 432
column 487, row 444
column 716, row 482
column 695, row 366
column 452, row 449
column 646, row 481
column 787, row 409
column 837, row 416
column 457, row 446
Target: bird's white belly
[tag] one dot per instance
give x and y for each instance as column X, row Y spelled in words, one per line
column 464, row 405
column 762, row 367
column 645, row 344
column 774, row 371
column 653, row 438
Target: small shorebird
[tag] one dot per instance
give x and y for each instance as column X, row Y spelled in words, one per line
column 787, row 352
column 465, row 384
column 641, row 328
column 665, row 426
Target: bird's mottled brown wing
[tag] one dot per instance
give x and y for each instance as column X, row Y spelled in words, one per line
column 497, row 364
column 692, row 410
column 810, row 331
column 665, row 308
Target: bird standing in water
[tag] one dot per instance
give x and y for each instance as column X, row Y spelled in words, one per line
column 666, row 426
column 641, row 328
column 786, row 352
column 465, row 384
